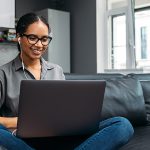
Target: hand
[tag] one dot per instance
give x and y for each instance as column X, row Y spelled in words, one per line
column 9, row 122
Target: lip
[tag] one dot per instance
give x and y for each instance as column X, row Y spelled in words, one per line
column 37, row 52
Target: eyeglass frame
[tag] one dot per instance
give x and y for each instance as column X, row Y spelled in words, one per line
column 39, row 39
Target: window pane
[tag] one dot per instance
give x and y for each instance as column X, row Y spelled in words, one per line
column 142, row 38
column 119, row 42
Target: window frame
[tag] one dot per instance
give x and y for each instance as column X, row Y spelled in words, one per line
column 138, row 9
column 130, row 35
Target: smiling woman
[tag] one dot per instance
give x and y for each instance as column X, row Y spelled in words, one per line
column 33, row 39
column 33, row 42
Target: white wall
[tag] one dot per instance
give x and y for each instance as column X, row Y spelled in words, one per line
column 142, row 3
column 7, row 13
column 101, row 35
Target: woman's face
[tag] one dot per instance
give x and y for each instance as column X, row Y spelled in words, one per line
column 30, row 50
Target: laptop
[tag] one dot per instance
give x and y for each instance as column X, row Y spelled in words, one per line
column 54, row 108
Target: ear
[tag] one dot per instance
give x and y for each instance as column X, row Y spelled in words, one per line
column 18, row 38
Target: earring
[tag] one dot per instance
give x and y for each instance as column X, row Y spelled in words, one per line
column 19, row 40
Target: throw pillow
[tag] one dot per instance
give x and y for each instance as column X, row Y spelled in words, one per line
column 124, row 97
column 146, row 92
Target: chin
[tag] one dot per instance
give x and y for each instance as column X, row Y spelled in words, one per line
column 36, row 56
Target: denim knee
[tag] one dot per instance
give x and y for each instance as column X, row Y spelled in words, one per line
column 124, row 128
column 116, row 130
column 121, row 126
column 125, row 125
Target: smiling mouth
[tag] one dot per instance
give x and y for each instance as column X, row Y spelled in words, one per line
column 37, row 51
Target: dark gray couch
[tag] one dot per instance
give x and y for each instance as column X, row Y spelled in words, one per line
column 125, row 95
column 128, row 96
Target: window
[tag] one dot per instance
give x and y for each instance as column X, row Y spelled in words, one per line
column 123, row 34
column 118, row 51
column 142, row 37
column 121, row 47
column 129, row 33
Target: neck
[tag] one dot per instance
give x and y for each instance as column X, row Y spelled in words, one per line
column 30, row 63
column 33, row 66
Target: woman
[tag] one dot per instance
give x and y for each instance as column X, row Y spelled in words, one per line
column 33, row 39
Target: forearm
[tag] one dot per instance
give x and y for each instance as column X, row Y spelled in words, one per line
column 9, row 122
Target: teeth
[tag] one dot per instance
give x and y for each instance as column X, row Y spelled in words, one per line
column 37, row 50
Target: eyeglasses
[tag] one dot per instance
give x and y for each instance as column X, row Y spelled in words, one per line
column 33, row 39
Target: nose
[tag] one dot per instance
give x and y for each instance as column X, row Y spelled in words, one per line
column 39, row 43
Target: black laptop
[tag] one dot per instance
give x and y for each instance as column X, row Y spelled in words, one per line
column 52, row 108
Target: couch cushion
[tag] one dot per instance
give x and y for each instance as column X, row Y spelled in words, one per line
column 146, row 92
column 100, row 76
column 140, row 76
column 140, row 140
column 124, row 97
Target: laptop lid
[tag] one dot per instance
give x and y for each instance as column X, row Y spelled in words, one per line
column 49, row 108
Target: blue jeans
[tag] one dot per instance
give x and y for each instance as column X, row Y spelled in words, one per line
column 113, row 133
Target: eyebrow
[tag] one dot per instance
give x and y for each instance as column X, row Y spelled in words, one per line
column 38, row 36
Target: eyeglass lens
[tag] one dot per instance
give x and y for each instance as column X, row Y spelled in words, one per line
column 33, row 39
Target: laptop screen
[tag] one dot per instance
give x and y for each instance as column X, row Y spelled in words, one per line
column 59, row 107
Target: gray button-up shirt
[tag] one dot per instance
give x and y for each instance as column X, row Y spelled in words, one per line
column 11, row 75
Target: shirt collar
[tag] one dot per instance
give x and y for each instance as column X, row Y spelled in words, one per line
column 17, row 62
column 45, row 64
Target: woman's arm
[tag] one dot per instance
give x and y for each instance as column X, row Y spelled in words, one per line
column 9, row 122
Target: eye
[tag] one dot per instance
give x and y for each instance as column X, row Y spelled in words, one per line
column 32, row 38
column 44, row 39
